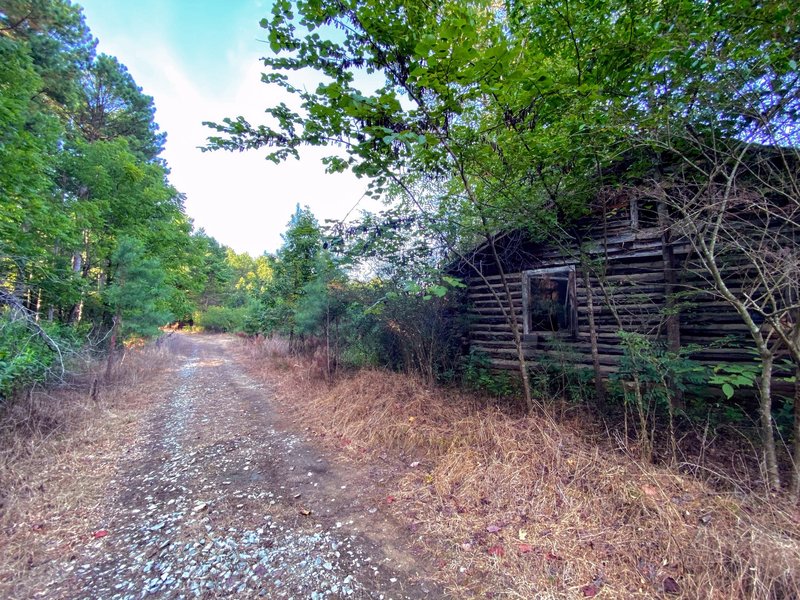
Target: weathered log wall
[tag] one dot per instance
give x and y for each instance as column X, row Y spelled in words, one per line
column 628, row 274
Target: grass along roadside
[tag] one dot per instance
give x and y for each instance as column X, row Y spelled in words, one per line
column 511, row 507
column 59, row 449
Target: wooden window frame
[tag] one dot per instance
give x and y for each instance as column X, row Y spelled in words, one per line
column 572, row 292
column 634, row 209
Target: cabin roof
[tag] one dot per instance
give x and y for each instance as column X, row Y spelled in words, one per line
column 620, row 186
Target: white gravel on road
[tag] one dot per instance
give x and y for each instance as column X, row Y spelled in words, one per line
column 207, row 507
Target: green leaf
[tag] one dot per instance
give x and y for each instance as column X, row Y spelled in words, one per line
column 727, row 389
column 438, row 290
column 453, row 281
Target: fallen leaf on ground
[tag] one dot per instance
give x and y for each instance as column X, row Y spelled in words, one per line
column 525, row 548
column 589, row 591
column 671, row 586
column 650, row 490
column 414, row 464
column 522, row 535
column 390, row 499
column 100, row 533
column 497, row 551
column 551, row 556
column 493, row 528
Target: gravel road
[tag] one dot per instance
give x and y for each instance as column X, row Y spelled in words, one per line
column 219, row 497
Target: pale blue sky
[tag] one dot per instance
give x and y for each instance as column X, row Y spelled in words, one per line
column 200, row 61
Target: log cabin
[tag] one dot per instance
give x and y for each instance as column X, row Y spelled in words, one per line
column 621, row 268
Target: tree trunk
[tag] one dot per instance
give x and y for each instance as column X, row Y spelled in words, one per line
column 38, row 305
column 767, row 360
column 796, row 440
column 645, row 442
column 77, row 262
column 673, row 317
column 20, row 287
column 513, row 322
column 76, row 312
column 511, row 316
column 673, row 442
column 765, row 410
column 336, row 346
column 29, row 296
column 328, row 344
column 112, row 346
column 599, row 386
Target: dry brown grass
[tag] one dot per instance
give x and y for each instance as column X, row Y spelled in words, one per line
column 261, row 347
column 515, row 507
column 59, row 448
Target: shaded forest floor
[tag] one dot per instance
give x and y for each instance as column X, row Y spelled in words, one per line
column 218, row 467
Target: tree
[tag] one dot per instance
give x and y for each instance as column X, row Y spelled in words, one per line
column 82, row 190
column 110, row 192
column 113, row 106
column 747, row 255
column 59, row 43
column 501, row 116
column 294, row 267
column 30, row 221
column 214, row 274
column 320, row 307
column 249, row 278
column 137, row 296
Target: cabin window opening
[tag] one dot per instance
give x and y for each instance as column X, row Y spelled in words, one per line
column 550, row 304
column 644, row 214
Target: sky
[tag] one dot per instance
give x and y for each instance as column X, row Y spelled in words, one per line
column 199, row 60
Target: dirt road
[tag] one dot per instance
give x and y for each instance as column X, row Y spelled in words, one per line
column 219, row 497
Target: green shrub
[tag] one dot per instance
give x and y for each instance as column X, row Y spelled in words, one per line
column 24, row 357
column 478, row 375
column 356, row 355
column 559, row 374
column 221, row 319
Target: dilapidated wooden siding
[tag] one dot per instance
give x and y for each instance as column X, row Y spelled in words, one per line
column 636, row 272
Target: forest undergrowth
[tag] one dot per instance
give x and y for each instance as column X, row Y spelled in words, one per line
column 59, row 447
column 535, row 507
